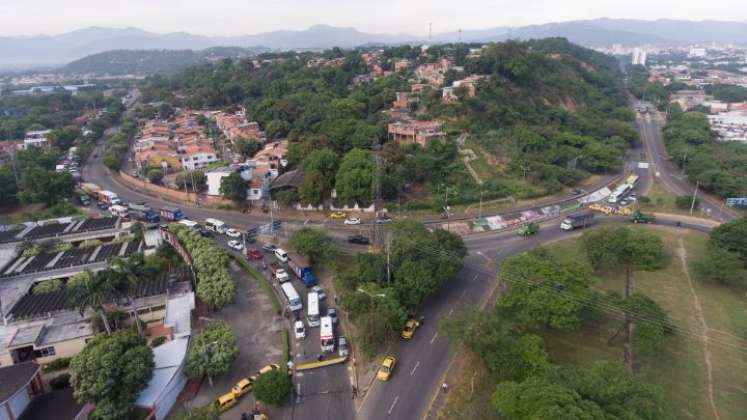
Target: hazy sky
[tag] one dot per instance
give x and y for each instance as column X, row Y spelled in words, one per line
column 233, row 17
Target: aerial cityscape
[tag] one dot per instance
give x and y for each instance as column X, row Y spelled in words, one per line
column 328, row 210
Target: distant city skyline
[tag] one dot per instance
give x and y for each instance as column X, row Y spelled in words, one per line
column 236, row 17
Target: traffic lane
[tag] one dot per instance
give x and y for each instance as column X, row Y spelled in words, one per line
column 422, row 360
column 676, row 182
column 324, row 394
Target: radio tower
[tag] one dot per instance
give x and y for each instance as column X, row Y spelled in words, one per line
column 430, row 31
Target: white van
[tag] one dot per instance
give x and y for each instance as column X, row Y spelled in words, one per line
column 327, row 335
column 281, row 255
column 216, row 225
column 291, row 296
column 189, row 223
column 312, row 309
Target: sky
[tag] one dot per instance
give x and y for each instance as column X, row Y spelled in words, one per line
column 236, row 17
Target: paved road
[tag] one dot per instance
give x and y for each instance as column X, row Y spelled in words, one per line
column 670, row 175
column 422, row 361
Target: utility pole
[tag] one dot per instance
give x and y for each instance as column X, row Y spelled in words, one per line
column 388, row 261
column 695, row 195
column 377, row 237
column 479, row 212
column 430, row 31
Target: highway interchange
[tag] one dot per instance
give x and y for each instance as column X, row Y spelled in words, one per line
column 423, row 361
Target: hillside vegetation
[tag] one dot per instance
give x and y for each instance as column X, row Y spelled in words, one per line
column 548, row 115
column 143, row 62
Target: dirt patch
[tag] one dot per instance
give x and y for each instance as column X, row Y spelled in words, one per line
column 682, row 254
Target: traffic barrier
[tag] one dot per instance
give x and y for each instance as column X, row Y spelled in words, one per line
column 323, row 363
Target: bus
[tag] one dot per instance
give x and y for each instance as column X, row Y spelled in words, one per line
column 632, row 180
column 216, row 225
column 312, row 309
column 327, row 335
column 619, row 193
column 294, row 301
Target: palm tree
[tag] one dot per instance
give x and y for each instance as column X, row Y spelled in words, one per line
column 100, row 289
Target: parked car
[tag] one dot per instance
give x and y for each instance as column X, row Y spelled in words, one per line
column 342, row 346
column 281, row 275
column 332, row 313
column 383, row 219
column 358, row 239
column 318, row 290
column 338, row 215
column 242, row 387
column 270, row 248
column 386, row 369
column 233, row 233
column 299, row 329
column 253, row 254
column 266, row 369
column 236, row 245
column 352, row 221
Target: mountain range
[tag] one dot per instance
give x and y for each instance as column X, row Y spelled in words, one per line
column 47, row 50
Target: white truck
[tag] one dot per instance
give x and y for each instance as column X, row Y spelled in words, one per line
column 327, row 335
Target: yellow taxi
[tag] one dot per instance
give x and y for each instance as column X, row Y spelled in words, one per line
column 242, row 387
column 338, row 215
column 387, row 366
column 266, row 369
column 410, row 326
column 226, row 401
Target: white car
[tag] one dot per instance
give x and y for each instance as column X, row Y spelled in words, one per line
column 282, row 275
column 236, row 245
column 233, row 233
column 352, row 221
column 342, row 346
column 300, row 330
column 319, row 291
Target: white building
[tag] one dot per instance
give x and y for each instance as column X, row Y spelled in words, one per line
column 731, row 126
column 247, row 172
column 35, row 139
column 639, row 56
column 168, row 378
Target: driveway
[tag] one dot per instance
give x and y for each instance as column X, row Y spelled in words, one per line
column 259, row 332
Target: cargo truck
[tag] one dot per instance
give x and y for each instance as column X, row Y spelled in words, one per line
column 528, row 229
column 172, row 214
column 302, row 270
column 638, row 217
column 144, row 213
column 577, row 220
column 119, row 211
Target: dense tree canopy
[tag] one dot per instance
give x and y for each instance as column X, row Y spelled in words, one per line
column 720, row 167
column 110, row 372
column 213, row 350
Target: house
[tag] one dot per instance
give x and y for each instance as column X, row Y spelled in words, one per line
column 402, row 64
column 236, row 126
column 433, row 73
column 196, row 153
column 730, row 126
column 35, row 139
column 258, row 172
column 469, row 84
column 18, row 385
column 168, row 379
column 409, row 131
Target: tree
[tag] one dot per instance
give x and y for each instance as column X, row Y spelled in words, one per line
column 110, row 372
column 234, row 188
column 208, row 411
column 247, row 147
column 96, row 291
column 652, row 321
column 721, row 266
column 629, row 249
column 732, row 237
column 274, row 387
column 48, row 286
column 213, row 351
column 507, row 353
column 63, row 138
column 355, row 177
column 191, row 180
column 155, row 175
column 539, row 398
column 684, row 202
column 543, row 291
column 313, row 244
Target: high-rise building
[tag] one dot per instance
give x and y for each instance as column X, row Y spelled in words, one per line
column 639, row 56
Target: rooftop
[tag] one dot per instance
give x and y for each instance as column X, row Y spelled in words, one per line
column 15, row 377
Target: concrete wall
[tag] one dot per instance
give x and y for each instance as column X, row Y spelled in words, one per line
column 67, row 348
column 168, row 193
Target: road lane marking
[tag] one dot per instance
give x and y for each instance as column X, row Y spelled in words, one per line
column 434, row 337
column 475, row 278
column 391, row 407
column 480, row 253
column 463, row 293
column 451, row 311
column 412, row 372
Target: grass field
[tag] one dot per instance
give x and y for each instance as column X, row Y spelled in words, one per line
column 680, row 370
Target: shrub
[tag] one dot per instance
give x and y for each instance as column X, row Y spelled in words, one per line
column 644, row 199
column 685, row 201
column 57, row 364
column 60, row 381
column 158, row 341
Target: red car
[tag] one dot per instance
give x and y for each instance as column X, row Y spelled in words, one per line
column 253, row 254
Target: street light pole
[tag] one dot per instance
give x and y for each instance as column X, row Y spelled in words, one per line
column 695, row 195
column 207, row 360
